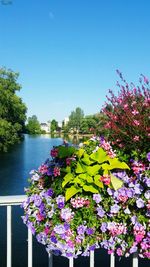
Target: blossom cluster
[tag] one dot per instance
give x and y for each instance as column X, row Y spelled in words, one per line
column 128, row 115
column 85, row 198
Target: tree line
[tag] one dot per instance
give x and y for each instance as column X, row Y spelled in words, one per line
column 13, row 120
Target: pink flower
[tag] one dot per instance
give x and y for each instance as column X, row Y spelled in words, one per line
column 56, row 171
column 136, row 138
column 54, row 152
column 119, row 251
column 136, row 123
column 135, row 112
column 43, row 169
column 105, row 179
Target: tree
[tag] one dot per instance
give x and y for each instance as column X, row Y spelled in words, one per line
column 33, row 125
column 54, row 126
column 12, row 109
column 75, row 119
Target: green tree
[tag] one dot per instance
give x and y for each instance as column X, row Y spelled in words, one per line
column 89, row 124
column 54, row 126
column 12, row 109
column 75, row 119
column 33, row 125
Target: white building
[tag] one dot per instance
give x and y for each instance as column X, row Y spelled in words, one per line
column 45, row 127
column 65, row 121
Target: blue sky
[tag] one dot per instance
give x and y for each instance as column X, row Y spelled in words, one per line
column 67, row 51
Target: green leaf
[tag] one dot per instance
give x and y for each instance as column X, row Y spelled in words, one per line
column 89, row 179
column 93, row 170
column 80, row 168
column 97, row 181
column 86, row 159
column 86, row 177
column 70, row 192
column 83, row 176
column 90, row 188
column 116, row 164
column 100, row 156
column 68, row 177
column 77, row 180
column 105, row 167
column 64, row 152
column 80, row 152
column 116, row 182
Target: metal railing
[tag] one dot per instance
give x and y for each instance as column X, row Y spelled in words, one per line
column 10, row 201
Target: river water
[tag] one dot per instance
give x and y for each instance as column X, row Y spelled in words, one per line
column 15, row 166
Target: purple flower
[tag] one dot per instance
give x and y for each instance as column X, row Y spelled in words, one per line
column 140, row 203
column 53, row 239
column 81, row 229
column 130, row 192
column 37, row 200
column 69, row 254
column 60, row 200
column 50, row 192
column 97, row 198
column 41, row 238
column 31, row 227
column 148, row 156
column 50, row 172
column 147, row 194
column 66, row 214
column 133, row 249
column 134, row 219
column 147, row 181
column 110, row 191
column 103, row 227
column 59, row 229
column 67, row 226
column 115, row 208
column 93, row 247
column 101, row 212
column 89, row 231
column 138, row 189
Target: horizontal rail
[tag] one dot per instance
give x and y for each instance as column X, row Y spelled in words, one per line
column 12, row 200
column 17, row 200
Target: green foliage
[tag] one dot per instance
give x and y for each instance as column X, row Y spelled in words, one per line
column 84, row 174
column 75, row 119
column 54, row 126
column 12, row 109
column 64, row 152
column 33, row 125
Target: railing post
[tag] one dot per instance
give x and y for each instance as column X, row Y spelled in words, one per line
column 29, row 248
column 70, row 262
column 91, row 258
column 9, row 251
column 112, row 260
column 135, row 260
column 50, row 260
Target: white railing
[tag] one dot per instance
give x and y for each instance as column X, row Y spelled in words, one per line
column 10, row 201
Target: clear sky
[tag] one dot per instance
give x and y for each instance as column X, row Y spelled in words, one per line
column 67, row 51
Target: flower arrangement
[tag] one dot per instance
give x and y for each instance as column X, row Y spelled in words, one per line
column 128, row 117
column 85, row 198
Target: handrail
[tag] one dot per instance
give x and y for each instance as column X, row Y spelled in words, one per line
column 10, row 201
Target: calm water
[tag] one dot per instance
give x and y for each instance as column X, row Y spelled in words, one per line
column 14, row 171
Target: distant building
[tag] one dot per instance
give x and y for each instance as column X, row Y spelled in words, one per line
column 45, row 127
column 60, row 124
column 65, row 121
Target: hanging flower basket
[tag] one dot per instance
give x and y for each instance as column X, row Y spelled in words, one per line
column 84, row 198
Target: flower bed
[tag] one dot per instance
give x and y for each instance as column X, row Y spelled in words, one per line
column 85, row 198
